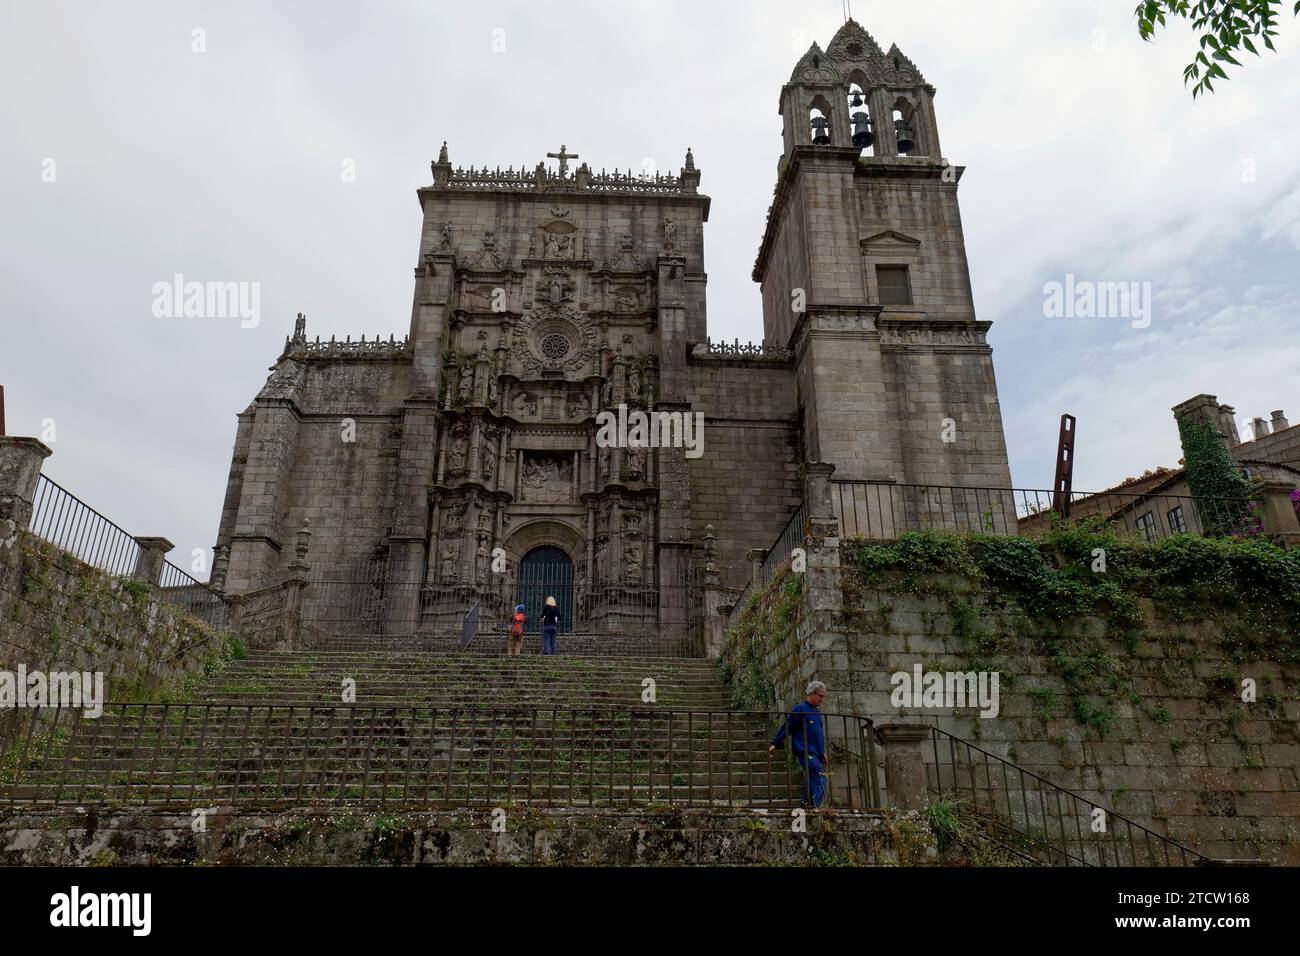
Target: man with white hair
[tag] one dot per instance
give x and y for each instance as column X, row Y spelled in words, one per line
column 807, row 735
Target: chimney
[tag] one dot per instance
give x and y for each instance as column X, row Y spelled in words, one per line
column 1260, row 427
column 1228, row 423
column 1279, row 421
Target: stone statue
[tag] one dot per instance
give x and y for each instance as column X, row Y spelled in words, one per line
column 459, row 449
column 626, row 300
column 559, row 245
column 450, row 558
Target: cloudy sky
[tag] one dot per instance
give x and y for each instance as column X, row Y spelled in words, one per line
column 129, row 156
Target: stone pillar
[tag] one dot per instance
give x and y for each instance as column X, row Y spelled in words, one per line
column 264, row 497
column 20, row 472
column 715, row 619
column 905, row 764
column 755, row 557
column 1204, row 409
column 149, row 562
column 821, row 544
column 220, row 565
column 817, row 492
column 294, row 585
column 408, row 541
column 1278, row 511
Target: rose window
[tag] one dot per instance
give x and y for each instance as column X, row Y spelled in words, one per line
column 554, row 346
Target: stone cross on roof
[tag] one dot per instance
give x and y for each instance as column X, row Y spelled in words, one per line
column 564, row 158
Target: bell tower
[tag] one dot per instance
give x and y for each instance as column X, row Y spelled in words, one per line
column 864, row 276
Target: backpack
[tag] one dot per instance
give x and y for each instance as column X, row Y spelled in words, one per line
column 517, row 628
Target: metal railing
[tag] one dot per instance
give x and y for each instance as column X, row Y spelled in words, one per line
column 790, row 537
column 68, row 523
column 884, row 510
column 1038, row 821
column 169, row 755
column 181, row 589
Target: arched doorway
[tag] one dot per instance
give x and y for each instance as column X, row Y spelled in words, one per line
column 545, row 571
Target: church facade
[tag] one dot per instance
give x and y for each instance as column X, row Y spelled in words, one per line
column 465, row 462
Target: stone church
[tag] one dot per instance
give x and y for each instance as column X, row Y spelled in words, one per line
column 460, row 463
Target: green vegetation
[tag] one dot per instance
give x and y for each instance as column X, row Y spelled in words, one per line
column 1213, row 473
column 1224, row 27
column 1047, row 586
column 747, row 662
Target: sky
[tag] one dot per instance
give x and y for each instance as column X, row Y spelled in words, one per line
column 282, row 144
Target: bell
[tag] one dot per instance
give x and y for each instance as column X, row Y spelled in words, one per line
column 857, row 99
column 905, row 142
column 862, row 135
column 820, row 136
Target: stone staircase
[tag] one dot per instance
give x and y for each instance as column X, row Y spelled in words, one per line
column 447, row 729
column 468, row 679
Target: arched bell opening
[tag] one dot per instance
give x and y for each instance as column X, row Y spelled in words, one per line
column 905, row 132
column 819, row 122
column 863, row 128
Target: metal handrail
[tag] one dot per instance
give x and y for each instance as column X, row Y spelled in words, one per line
column 68, row 523
column 883, row 510
column 1026, row 827
column 302, row 754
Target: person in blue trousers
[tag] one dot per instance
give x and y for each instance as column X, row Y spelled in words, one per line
column 550, row 626
column 807, row 732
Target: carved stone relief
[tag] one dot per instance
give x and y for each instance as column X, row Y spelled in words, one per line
column 547, row 478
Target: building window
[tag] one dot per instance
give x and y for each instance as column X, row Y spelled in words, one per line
column 1176, row 523
column 895, row 289
column 555, row 346
column 1147, row 525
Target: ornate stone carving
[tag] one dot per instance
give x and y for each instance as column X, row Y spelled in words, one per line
column 556, row 288
column 670, row 233
column 524, row 405
column 547, row 478
column 632, row 560
column 457, row 451
column 576, row 329
column 450, row 561
column 627, row 299
column 624, row 260
column 577, row 405
column 480, row 298
column 560, row 245
column 489, row 454
column 932, row 334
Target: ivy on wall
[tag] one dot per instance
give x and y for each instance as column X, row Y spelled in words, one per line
column 1050, row 583
column 747, row 661
column 1212, row 472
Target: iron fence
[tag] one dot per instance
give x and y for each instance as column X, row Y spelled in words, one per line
column 884, row 510
column 791, row 537
column 187, row 755
column 181, row 589
column 67, row 522
column 1038, row 821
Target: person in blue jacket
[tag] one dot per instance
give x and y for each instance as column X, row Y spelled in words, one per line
column 807, row 732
